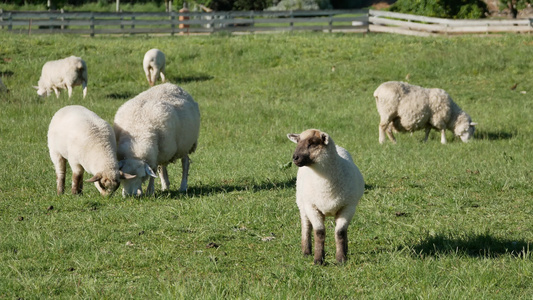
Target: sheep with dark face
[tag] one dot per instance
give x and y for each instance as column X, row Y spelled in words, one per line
column 328, row 184
column 406, row 108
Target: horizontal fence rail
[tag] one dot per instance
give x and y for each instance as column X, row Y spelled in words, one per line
column 249, row 22
column 384, row 21
column 183, row 23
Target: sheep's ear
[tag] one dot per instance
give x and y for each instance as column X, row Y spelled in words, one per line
column 325, row 138
column 473, row 123
column 95, row 178
column 126, row 175
column 149, row 170
column 293, row 137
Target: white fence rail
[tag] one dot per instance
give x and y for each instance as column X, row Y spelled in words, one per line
column 250, row 21
column 384, row 21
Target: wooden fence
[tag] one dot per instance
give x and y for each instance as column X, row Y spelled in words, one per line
column 183, row 23
column 250, row 22
column 384, row 21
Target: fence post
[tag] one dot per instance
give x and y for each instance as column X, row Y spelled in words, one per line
column 2, row 17
column 172, row 26
column 132, row 23
column 291, row 24
column 330, row 23
column 62, row 19
column 92, row 25
column 10, row 25
column 253, row 20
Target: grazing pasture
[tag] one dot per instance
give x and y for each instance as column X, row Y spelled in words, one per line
column 452, row 221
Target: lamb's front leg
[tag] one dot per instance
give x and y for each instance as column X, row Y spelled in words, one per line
column 317, row 221
column 306, row 234
column 163, row 174
column 77, row 179
column 342, row 220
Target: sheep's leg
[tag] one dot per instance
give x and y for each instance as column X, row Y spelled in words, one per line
column 342, row 220
column 69, row 90
column 382, row 128
column 163, row 79
column 443, row 136
column 428, row 129
column 390, row 135
column 150, row 189
column 306, row 234
column 155, row 75
column 163, row 174
column 77, row 179
column 185, row 163
column 148, row 77
column 317, row 221
column 320, row 237
column 60, row 164
column 56, row 91
column 84, row 86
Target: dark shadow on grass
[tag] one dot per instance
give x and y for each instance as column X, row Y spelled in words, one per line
column 121, row 96
column 191, row 78
column 6, row 74
column 228, row 188
column 474, row 245
column 494, row 136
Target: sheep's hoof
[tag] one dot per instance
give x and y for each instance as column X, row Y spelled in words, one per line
column 319, row 262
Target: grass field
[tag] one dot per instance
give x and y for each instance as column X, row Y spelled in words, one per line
column 437, row 221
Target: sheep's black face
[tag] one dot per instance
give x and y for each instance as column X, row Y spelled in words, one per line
column 311, row 144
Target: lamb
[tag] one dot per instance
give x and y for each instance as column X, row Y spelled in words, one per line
column 154, row 65
column 154, row 129
column 328, row 184
column 63, row 73
column 88, row 143
column 407, row 108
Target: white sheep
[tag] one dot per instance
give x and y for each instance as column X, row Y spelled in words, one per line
column 154, row 129
column 406, row 108
column 328, row 184
column 154, row 65
column 87, row 142
column 61, row 74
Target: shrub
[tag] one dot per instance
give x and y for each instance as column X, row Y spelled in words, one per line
column 452, row 9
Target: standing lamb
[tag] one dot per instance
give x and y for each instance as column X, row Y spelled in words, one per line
column 154, row 129
column 154, row 65
column 88, row 143
column 407, row 108
column 63, row 73
column 328, row 184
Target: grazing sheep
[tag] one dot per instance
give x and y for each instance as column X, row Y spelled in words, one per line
column 328, row 184
column 154, row 129
column 63, row 73
column 88, row 143
column 407, row 108
column 154, row 65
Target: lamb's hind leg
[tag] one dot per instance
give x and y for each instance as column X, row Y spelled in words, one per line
column 428, row 129
column 443, row 136
column 185, row 164
column 385, row 127
column 60, row 164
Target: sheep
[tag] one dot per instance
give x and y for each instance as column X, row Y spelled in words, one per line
column 63, row 73
column 154, row 129
column 87, row 142
column 154, row 65
column 328, row 184
column 406, row 108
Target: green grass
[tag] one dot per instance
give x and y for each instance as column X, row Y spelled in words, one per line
column 436, row 221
